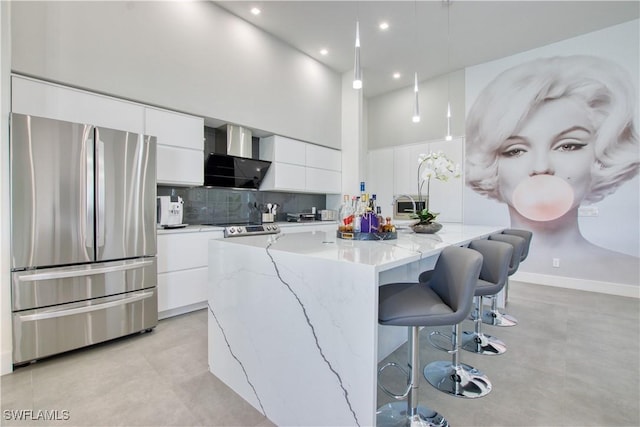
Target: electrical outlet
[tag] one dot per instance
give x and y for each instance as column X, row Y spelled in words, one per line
column 556, row 262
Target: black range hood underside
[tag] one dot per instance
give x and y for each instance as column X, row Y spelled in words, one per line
column 223, row 170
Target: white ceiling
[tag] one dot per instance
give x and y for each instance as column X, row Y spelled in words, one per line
column 419, row 36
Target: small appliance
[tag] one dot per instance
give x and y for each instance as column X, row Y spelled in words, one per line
column 170, row 210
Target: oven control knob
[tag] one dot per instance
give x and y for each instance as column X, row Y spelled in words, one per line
column 240, row 230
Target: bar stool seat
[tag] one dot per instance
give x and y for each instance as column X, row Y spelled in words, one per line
column 493, row 277
column 446, row 300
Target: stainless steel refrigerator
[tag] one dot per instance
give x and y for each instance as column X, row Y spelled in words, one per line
column 83, row 237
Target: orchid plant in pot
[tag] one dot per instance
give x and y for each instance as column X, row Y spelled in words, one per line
column 435, row 165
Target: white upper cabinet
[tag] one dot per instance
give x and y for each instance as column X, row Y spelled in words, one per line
column 38, row 98
column 176, row 129
column 380, row 175
column 180, row 139
column 300, row 167
column 283, row 150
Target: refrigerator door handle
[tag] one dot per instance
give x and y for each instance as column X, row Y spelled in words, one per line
column 87, row 227
column 86, row 309
column 84, row 271
column 100, row 225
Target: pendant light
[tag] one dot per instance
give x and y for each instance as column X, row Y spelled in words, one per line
column 416, row 104
column 357, row 72
column 448, row 137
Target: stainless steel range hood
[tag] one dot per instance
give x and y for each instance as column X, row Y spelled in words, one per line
column 239, row 141
column 236, row 168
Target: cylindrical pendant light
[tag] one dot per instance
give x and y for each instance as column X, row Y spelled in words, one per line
column 448, row 137
column 416, row 105
column 357, row 72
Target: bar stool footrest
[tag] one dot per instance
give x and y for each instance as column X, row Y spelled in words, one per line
column 482, row 344
column 458, row 380
column 396, row 414
column 496, row 318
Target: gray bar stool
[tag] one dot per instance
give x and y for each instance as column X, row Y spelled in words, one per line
column 496, row 257
column 493, row 316
column 446, row 300
column 453, row 377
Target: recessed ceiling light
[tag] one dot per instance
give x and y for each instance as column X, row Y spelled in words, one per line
column 323, row 52
column 396, row 75
column 255, row 11
column 384, row 26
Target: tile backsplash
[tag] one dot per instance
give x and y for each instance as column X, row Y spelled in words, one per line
column 204, row 205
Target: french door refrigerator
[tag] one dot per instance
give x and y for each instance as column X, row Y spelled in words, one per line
column 83, row 238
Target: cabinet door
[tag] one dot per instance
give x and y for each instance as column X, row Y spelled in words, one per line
column 178, row 289
column 175, row 129
column 380, row 177
column 284, row 177
column 179, row 166
column 282, row 150
column 323, row 181
column 323, row 158
column 43, row 99
column 402, row 163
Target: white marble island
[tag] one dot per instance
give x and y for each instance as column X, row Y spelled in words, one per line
column 293, row 323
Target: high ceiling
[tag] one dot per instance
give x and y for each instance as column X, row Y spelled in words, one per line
column 431, row 37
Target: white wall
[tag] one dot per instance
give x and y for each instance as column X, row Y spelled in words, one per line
column 188, row 56
column 389, row 115
column 616, row 228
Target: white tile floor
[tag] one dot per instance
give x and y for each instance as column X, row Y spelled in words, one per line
column 574, row 360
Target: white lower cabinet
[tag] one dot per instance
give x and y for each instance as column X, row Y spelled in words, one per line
column 183, row 259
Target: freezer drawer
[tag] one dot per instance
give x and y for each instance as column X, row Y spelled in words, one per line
column 48, row 331
column 50, row 286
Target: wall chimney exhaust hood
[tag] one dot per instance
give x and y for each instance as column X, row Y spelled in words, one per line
column 236, row 168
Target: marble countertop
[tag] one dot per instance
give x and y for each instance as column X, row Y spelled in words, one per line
column 383, row 254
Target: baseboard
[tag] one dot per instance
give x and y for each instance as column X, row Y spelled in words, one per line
column 6, row 362
column 182, row 310
column 609, row 288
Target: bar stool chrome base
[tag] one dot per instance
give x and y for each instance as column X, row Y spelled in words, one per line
column 397, row 414
column 496, row 318
column 482, row 344
column 459, row 380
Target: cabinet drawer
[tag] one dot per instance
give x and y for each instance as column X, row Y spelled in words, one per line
column 182, row 288
column 182, row 251
column 180, row 166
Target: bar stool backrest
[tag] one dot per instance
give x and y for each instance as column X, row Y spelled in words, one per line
column 518, row 244
column 496, row 257
column 454, row 279
column 526, row 235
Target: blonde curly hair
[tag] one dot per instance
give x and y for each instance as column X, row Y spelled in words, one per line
column 505, row 104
